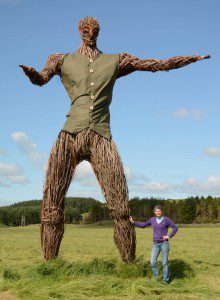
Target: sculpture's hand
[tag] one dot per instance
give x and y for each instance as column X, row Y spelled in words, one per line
column 204, row 57
column 30, row 72
column 52, row 67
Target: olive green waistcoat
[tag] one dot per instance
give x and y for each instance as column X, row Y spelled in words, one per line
column 89, row 84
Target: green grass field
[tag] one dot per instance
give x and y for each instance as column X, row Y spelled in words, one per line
column 89, row 267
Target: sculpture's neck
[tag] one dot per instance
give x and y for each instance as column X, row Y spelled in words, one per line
column 90, row 51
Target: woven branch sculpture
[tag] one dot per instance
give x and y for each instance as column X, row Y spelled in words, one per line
column 89, row 142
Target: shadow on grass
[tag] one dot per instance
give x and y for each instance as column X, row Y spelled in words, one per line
column 180, row 269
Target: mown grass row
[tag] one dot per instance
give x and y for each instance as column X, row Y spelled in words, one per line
column 59, row 269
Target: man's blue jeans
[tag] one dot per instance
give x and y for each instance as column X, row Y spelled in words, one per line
column 164, row 248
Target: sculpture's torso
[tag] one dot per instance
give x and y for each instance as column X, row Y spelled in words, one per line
column 89, row 84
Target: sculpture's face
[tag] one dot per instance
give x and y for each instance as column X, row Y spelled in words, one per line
column 89, row 30
column 89, row 35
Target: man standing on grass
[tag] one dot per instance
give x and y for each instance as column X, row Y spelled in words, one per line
column 160, row 224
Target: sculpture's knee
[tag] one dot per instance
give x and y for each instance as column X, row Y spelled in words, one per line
column 52, row 230
column 52, row 215
column 123, row 215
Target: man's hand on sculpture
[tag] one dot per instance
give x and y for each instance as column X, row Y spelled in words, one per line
column 131, row 219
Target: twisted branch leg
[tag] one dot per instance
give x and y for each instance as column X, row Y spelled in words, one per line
column 59, row 172
column 108, row 168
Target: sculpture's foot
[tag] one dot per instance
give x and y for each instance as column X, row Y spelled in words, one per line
column 51, row 237
column 125, row 238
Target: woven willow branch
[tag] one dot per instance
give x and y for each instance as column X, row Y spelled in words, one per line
column 68, row 151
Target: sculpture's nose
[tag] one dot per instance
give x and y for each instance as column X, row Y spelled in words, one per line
column 90, row 32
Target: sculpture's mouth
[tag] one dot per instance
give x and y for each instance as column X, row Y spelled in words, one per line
column 89, row 41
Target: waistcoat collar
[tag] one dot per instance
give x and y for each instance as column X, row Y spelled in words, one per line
column 86, row 58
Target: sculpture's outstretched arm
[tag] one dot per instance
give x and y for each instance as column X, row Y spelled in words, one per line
column 52, row 67
column 129, row 63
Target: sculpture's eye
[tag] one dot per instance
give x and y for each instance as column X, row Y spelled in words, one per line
column 85, row 31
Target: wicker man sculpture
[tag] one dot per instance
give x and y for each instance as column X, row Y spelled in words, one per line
column 88, row 76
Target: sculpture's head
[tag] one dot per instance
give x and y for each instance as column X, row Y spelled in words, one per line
column 89, row 30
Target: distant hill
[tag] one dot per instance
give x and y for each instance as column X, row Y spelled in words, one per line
column 75, row 207
column 89, row 210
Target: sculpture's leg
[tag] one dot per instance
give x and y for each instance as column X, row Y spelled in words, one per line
column 108, row 168
column 59, row 172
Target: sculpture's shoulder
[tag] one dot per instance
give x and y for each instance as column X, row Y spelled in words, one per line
column 68, row 55
column 111, row 58
column 55, row 58
column 112, row 55
column 68, row 58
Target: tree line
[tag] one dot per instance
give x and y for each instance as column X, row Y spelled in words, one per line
column 89, row 210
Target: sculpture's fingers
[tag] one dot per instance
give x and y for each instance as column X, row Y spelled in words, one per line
column 206, row 56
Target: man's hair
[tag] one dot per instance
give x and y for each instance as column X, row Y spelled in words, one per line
column 158, row 207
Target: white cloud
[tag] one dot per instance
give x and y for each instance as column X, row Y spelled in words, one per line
column 191, row 181
column 156, row 186
column 92, row 193
column 128, row 173
column 85, row 184
column 134, row 178
column 83, row 171
column 88, row 184
column 12, row 173
column 3, row 183
column 212, row 151
column 85, row 179
column 193, row 186
column 27, row 147
column 138, row 182
column 183, row 113
column 197, row 113
column 3, row 151
column 84, row 175
column 152, row 187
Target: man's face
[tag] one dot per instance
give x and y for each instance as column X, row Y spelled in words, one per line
column 89, row 34
column 158, row 213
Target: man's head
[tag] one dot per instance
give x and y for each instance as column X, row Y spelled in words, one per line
column 89, row 30
column 158, row 211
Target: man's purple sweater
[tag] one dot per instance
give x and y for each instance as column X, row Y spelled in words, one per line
column 160, row 229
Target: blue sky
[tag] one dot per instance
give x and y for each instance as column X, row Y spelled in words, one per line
column 165, row 124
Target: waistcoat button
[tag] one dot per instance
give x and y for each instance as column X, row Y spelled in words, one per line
column 91, row 71
column 91, row 107
column 92, row 83
column 92, row 96
column 91, row 60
